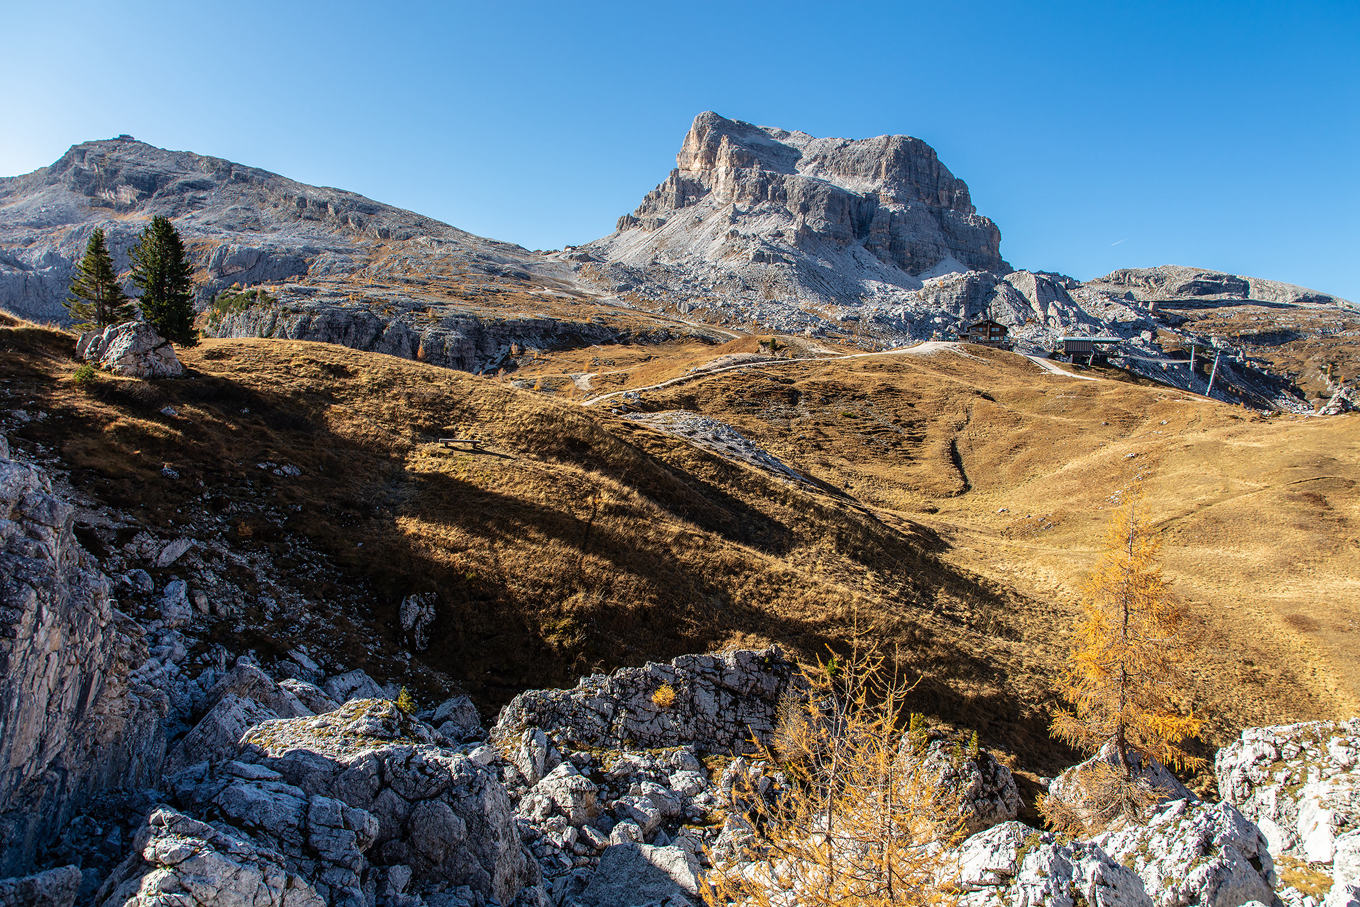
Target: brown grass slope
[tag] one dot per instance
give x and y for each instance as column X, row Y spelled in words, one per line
column 962, row 497
column 580, row 542
column 1017, row 470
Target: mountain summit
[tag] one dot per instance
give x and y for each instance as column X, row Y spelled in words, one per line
column 764, row 213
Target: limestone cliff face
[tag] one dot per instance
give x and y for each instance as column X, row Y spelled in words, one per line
column 783, row 214
column 72, row 722
column 465, row 341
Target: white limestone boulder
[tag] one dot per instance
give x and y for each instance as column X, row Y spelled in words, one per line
column 1300, row 783
column 132, row 349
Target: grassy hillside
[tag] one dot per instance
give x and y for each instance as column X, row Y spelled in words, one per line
column 955, row 502
column 1017, row 469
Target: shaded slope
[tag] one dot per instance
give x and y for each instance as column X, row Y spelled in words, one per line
column 579, row 542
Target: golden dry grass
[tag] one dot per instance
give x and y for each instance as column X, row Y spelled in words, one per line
column 1017, row 468
column 959, row 503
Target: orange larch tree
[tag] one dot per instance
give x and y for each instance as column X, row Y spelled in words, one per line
column 1125, row 674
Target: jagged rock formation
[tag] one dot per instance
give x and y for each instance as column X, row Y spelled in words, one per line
column 454, row 339
column 1185, row 854
column 716, row 703
column 763, row 213
column 72, row 721
column 874, row 240
column 986, row 792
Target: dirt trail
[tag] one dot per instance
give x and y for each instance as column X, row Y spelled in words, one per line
column 921, row 349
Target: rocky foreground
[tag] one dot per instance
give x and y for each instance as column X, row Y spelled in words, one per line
column 137, row 774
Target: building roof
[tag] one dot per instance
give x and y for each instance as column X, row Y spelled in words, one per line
column 1091, row 339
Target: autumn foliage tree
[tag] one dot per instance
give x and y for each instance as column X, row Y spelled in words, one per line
column 856, row 819
column 1125, row 675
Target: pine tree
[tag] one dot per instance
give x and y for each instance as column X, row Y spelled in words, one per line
column 1125, row 675
column 96, row 299
column 166, row 280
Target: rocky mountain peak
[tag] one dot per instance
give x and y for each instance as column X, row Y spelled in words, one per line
column 760, row 213
column 898, row 169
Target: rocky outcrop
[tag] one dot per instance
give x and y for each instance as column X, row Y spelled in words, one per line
column 53, row 888
column 1179, row 283
column 1196, row 853
column 333, row 810
column 439, row 814
column 715, row 703
column 1188, row 853
column 179, row 860
column 452, row 338
column 132, row 349
column 72, row 720
column 1300, row 783
column 1012, row 864
column 984, row 789
column 1080, row 789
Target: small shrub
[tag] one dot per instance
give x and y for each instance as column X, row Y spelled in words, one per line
column 664, row 697
column 234, row 300
column 405, row 702
column 85, row 376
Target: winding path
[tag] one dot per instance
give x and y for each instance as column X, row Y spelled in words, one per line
column 920, row 349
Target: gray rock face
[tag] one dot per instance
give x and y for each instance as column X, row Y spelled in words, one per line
column 1300, row 783
column 1012, row 865
column 53, row 888
column 216, row 735
column 132, row 349
column 179, row 861
column 987, row 793
column 174, row 604
column 417, row 613
column 1196, row 853
column 719, row 701
column 352, row 685
column 756, row 209
column 437, row 812
column 432, row 331
column 72, row 722
column 631, row 874
column 1174, row 282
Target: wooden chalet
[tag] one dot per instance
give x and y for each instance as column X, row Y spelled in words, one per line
column 988, row 332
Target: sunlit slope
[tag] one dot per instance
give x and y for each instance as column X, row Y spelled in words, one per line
column 578, row 541
column 955, row 500
column 1018, row 468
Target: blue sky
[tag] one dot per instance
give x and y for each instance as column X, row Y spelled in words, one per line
column 1096, row 134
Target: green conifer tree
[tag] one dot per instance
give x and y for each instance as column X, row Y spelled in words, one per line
column 96, row 299
column 166, row 280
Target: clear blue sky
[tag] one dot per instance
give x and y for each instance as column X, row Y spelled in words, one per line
column 1096, row 134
